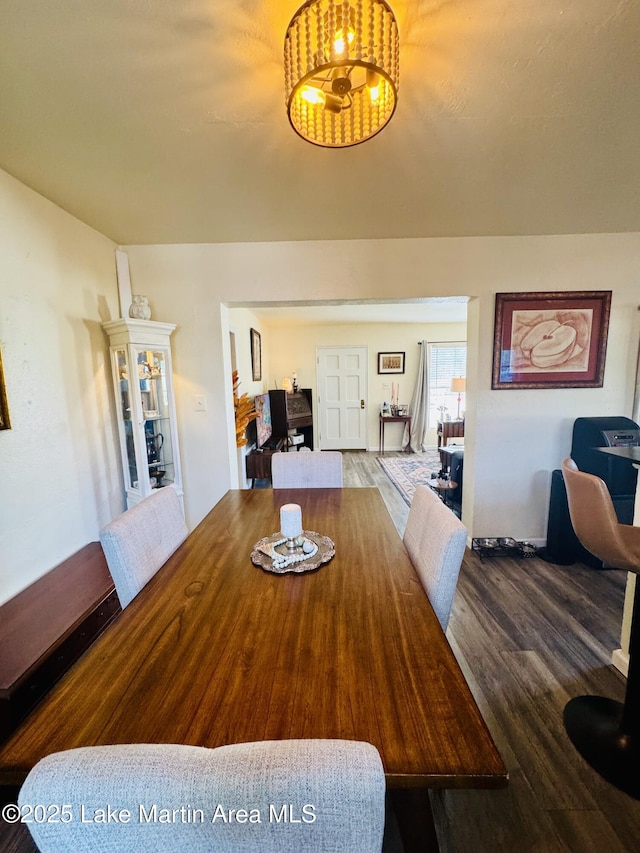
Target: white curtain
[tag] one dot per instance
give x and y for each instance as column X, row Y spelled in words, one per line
column 419, row 406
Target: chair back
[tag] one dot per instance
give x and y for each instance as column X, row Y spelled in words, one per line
column 138, row 542
column 594, row 518
column 320, row 469
column 286, row 796
column 435, row 540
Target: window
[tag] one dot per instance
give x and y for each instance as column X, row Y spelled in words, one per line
column 446, row 361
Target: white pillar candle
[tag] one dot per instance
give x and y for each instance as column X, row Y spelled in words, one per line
column 291, row 520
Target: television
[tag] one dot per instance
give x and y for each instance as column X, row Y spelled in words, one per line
column 264, row 429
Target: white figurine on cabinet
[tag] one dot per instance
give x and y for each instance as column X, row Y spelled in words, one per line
column 140, row 308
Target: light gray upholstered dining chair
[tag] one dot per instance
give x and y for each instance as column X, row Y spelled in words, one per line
column 316, row 795
column 320, row 469
column 435, row 540
column 138, row 542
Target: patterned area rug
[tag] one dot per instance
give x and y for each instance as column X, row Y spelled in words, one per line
column 407, row 472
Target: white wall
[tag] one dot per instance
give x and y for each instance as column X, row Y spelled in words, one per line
column 240, row 321
column 517, row 437
column 292, row 346
column 59, row 469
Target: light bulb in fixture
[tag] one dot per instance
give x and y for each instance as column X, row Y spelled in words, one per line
column 312, row 94
column 373, row 85
column 339, row 44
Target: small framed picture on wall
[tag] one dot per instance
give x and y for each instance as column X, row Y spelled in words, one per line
column 390, row 362
column 256, row 356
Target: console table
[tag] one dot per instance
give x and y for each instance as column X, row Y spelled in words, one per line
column 385, row 419
column 449, row 429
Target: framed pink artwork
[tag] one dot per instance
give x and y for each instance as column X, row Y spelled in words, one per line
column 550, row 340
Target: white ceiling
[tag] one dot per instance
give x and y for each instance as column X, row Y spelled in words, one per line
column 158, row 121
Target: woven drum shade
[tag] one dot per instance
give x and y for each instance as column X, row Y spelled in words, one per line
column 341, row 65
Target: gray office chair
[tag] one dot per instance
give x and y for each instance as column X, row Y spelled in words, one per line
column 605, row 732
column 269, row 797
column 435, row 541
column 320, row 469
column 140, row 541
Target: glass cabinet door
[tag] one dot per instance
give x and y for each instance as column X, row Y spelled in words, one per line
column 131, row 467
column 152, row 371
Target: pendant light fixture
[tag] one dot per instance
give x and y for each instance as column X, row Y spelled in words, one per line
column 341, row 65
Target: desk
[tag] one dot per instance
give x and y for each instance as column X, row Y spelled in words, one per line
column 385, row 419
column 632, row 454
column 620, row 658
column 214, row 650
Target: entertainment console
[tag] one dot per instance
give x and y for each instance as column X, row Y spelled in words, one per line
column 259, row 462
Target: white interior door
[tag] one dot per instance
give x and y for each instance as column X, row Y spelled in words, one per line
column 342, row 397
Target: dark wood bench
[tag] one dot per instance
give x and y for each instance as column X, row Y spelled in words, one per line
column 46, row 627
column 43, row 631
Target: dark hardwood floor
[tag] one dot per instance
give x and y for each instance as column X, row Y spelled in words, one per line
column 530, row 635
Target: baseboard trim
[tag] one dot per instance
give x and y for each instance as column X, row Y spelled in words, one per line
column 620, row 660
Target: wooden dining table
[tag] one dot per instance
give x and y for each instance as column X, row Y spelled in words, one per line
column 215, row 650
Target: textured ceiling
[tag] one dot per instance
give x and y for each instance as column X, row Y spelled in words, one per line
column 158, row 121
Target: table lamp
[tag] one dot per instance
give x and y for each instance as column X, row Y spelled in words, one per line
column 459, row 386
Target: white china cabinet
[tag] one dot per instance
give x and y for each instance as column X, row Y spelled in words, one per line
column 145, row 406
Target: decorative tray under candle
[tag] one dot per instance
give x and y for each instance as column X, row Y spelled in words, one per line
column 260, row 556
